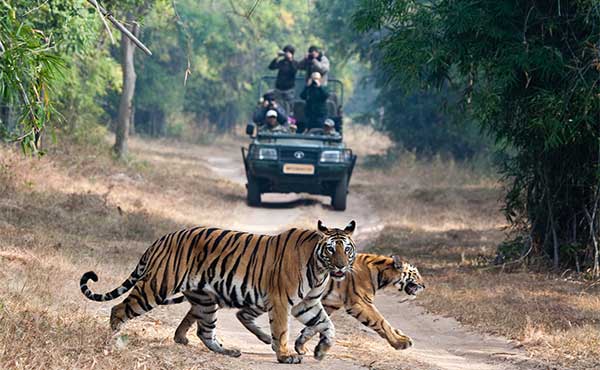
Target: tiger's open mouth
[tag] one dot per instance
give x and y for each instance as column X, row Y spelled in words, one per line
column 413, row 289
column 338, row 274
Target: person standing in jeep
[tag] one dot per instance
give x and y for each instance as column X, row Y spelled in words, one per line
column 316, row 96
column 315, row 61
column 286, row 68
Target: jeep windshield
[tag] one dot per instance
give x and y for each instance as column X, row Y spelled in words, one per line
column 307, row 139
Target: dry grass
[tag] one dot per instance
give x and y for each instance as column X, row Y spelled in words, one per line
column 445, row 218
column 76, row 210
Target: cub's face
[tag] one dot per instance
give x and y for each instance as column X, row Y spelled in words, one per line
column 336, row 250
column 405, row 277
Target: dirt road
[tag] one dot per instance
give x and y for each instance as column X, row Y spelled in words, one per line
column 440, row 343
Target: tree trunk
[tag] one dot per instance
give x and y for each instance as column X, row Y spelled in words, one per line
column 125, row 107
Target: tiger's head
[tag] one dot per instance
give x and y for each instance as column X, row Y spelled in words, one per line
column 336, row 250
column 404, row 276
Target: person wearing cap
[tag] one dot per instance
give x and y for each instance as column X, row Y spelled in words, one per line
column 315, row 61
column 329, row 128
column 272, row 123
column 269, row 103
column 316, row 96
column 286, row 68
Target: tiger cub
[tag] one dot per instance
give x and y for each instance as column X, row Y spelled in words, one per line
column 216, row 268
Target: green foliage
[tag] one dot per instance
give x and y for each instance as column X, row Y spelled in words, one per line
column 426, row 122
column 228, row 50
column 52, row 48
column 529, row 72
column 27, row 68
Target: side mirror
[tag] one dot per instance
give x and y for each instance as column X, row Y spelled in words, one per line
column 250, row 129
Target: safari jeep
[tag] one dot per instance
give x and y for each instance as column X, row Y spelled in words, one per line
column 300, row 163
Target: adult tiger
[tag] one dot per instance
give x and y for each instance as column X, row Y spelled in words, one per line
column 215, row 268
column 356, row 294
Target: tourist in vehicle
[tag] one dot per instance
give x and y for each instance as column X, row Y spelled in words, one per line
column 286, row 68
column 316, row 102
column 329, row 128
column 269, row 103
column 315, row 61
column 272, row 124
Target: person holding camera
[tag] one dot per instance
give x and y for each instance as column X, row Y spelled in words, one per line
column 315, row 61
column 268, row 103
column 316, row 96
column 286, row 68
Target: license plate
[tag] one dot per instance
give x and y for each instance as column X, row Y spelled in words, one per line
column 299, row 169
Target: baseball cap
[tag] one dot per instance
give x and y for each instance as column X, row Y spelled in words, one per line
column 271, row 113
column 329, row 122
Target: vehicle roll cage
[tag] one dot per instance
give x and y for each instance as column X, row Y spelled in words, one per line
column 275, row 136
column 334, row 85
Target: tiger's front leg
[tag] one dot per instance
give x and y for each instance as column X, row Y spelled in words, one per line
column 311, row 313
column 369, row 316
column 278, row 319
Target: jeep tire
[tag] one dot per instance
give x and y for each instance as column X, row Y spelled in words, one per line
column 340, row 193
column 253, row 192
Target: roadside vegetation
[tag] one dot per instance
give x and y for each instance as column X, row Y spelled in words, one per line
column 445, row 217
column 480, row 154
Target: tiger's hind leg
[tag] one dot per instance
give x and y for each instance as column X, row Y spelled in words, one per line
column 184, row 326
column 247, row 317
column 204, row 312
column 138, row 302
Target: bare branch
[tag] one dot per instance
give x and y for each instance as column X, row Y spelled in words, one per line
column 97, row 6
column 121, row 28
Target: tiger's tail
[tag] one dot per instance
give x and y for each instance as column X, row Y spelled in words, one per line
column 117, row 292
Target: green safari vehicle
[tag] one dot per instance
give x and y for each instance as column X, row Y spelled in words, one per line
column 312, row 163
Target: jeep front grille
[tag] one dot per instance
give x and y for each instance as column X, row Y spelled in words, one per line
column 295, row 156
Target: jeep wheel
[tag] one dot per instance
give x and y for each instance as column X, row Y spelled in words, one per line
column 253, row 196
column 338, row 199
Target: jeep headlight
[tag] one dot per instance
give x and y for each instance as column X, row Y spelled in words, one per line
column 336, row 156
column 267, row 154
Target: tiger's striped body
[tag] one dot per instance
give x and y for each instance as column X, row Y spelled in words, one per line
column 356, row 294
column 216, row 268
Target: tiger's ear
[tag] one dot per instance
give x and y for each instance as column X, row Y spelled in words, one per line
column 350, row 227
column 397, row 262
column 321, row 227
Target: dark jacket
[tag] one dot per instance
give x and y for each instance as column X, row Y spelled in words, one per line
column 320, row 64
column 286, row 74
column 260, row 113
column 316, row 105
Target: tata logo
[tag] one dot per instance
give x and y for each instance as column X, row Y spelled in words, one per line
column 299, row 155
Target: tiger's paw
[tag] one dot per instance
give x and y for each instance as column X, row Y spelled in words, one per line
column 289, row 358
column 265, row 339
column 402, row 342
column 181, row 340
column 232, row 352
column 300, row 346
column 322, row 348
